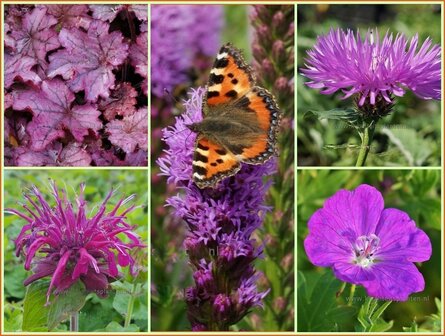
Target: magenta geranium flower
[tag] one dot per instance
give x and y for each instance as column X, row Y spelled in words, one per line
column 64, row 242
column 368, row 245
column 372, row 68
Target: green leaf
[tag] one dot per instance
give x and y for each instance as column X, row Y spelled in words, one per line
column 412, row 328
column 414, row 148
column 348, row 115
column 13, row 316
column 34, row 310
column 317, row 304
column 370, row 316
column 65, row 304
column 116, row 327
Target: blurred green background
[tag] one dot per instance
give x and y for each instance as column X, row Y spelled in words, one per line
column 170, row 272
column 416, row 192
column 413, row 133
column 98, row 314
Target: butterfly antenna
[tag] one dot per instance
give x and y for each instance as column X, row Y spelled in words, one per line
column 175, row 133
column 168, row 94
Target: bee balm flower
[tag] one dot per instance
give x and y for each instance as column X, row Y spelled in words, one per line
column 73, row 247
column 373, row 69
column 368, row 245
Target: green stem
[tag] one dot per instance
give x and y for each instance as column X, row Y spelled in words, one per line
column 130, row 306
column 366, row 136
column 342, row 288
column 351, row 295
column 74, row 322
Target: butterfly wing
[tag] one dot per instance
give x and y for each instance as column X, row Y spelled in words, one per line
column 267, row 114
column 244, row 120
column 230, row 78
column 212, row 163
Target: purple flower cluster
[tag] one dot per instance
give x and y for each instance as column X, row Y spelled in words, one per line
column 366, row 244
column 221, row 223
column 72, row 246
column 179, row 35
column 374, row 69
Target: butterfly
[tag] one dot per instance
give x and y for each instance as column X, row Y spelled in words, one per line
column 240, row 121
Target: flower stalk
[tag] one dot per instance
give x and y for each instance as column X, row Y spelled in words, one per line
column 366, row 136
column 221, row 222
column 74, row 322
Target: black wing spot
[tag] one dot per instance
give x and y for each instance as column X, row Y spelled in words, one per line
column 200, row 157
column 220, row 161
column 200, row 170
column 234, row 81
column 202, row 147
column 212, row 94
column 213, row 164
column 231, row 94
column 215, row 79
column 221, row 63
column 230, row 75
column 221, row 152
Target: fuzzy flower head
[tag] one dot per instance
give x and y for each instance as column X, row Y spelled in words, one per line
column 368, row 245
column 374, row 70
column 220, row 222
column 65, row 243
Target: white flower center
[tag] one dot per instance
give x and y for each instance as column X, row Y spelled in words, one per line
column 364, row 250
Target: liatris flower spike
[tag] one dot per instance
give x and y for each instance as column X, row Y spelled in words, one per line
column 221, row 221
column 179, row 35
column 373, row 71
column 368, row 245
column 72, row 246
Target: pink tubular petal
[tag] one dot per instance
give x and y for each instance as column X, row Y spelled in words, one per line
column 58, row 273
column 33, row 249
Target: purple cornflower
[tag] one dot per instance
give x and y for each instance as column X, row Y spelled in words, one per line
column 179, row 34
column 368, row 245
column 72, row 246
column 221, row 222
column 374, row 69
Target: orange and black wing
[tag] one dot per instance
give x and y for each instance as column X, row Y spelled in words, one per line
column 267, row 114
column 212, row 163
column 230, row 77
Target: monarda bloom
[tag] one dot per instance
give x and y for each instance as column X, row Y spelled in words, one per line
column 366, row 244
column 221, row 222
column 62, row 242
column 374, row 70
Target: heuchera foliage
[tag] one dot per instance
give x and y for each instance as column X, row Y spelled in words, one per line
column 75, row 85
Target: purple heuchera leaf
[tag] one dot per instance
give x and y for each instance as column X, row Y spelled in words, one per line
column 121, row 102
column 109, row 12
column 368, row 245
column 53, row 111
column 72, row 243
column 139, row 58
column 36, row 36
column 130, row 132
column 70, row 16
column 105, row 12
column 19, row 67
column 88, row 59
column 73, row 155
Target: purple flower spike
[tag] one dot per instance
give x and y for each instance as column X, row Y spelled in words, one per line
column 221, row 222
column 180, row 35
column 368, row 245
column 62, row 242
column 374, row 69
